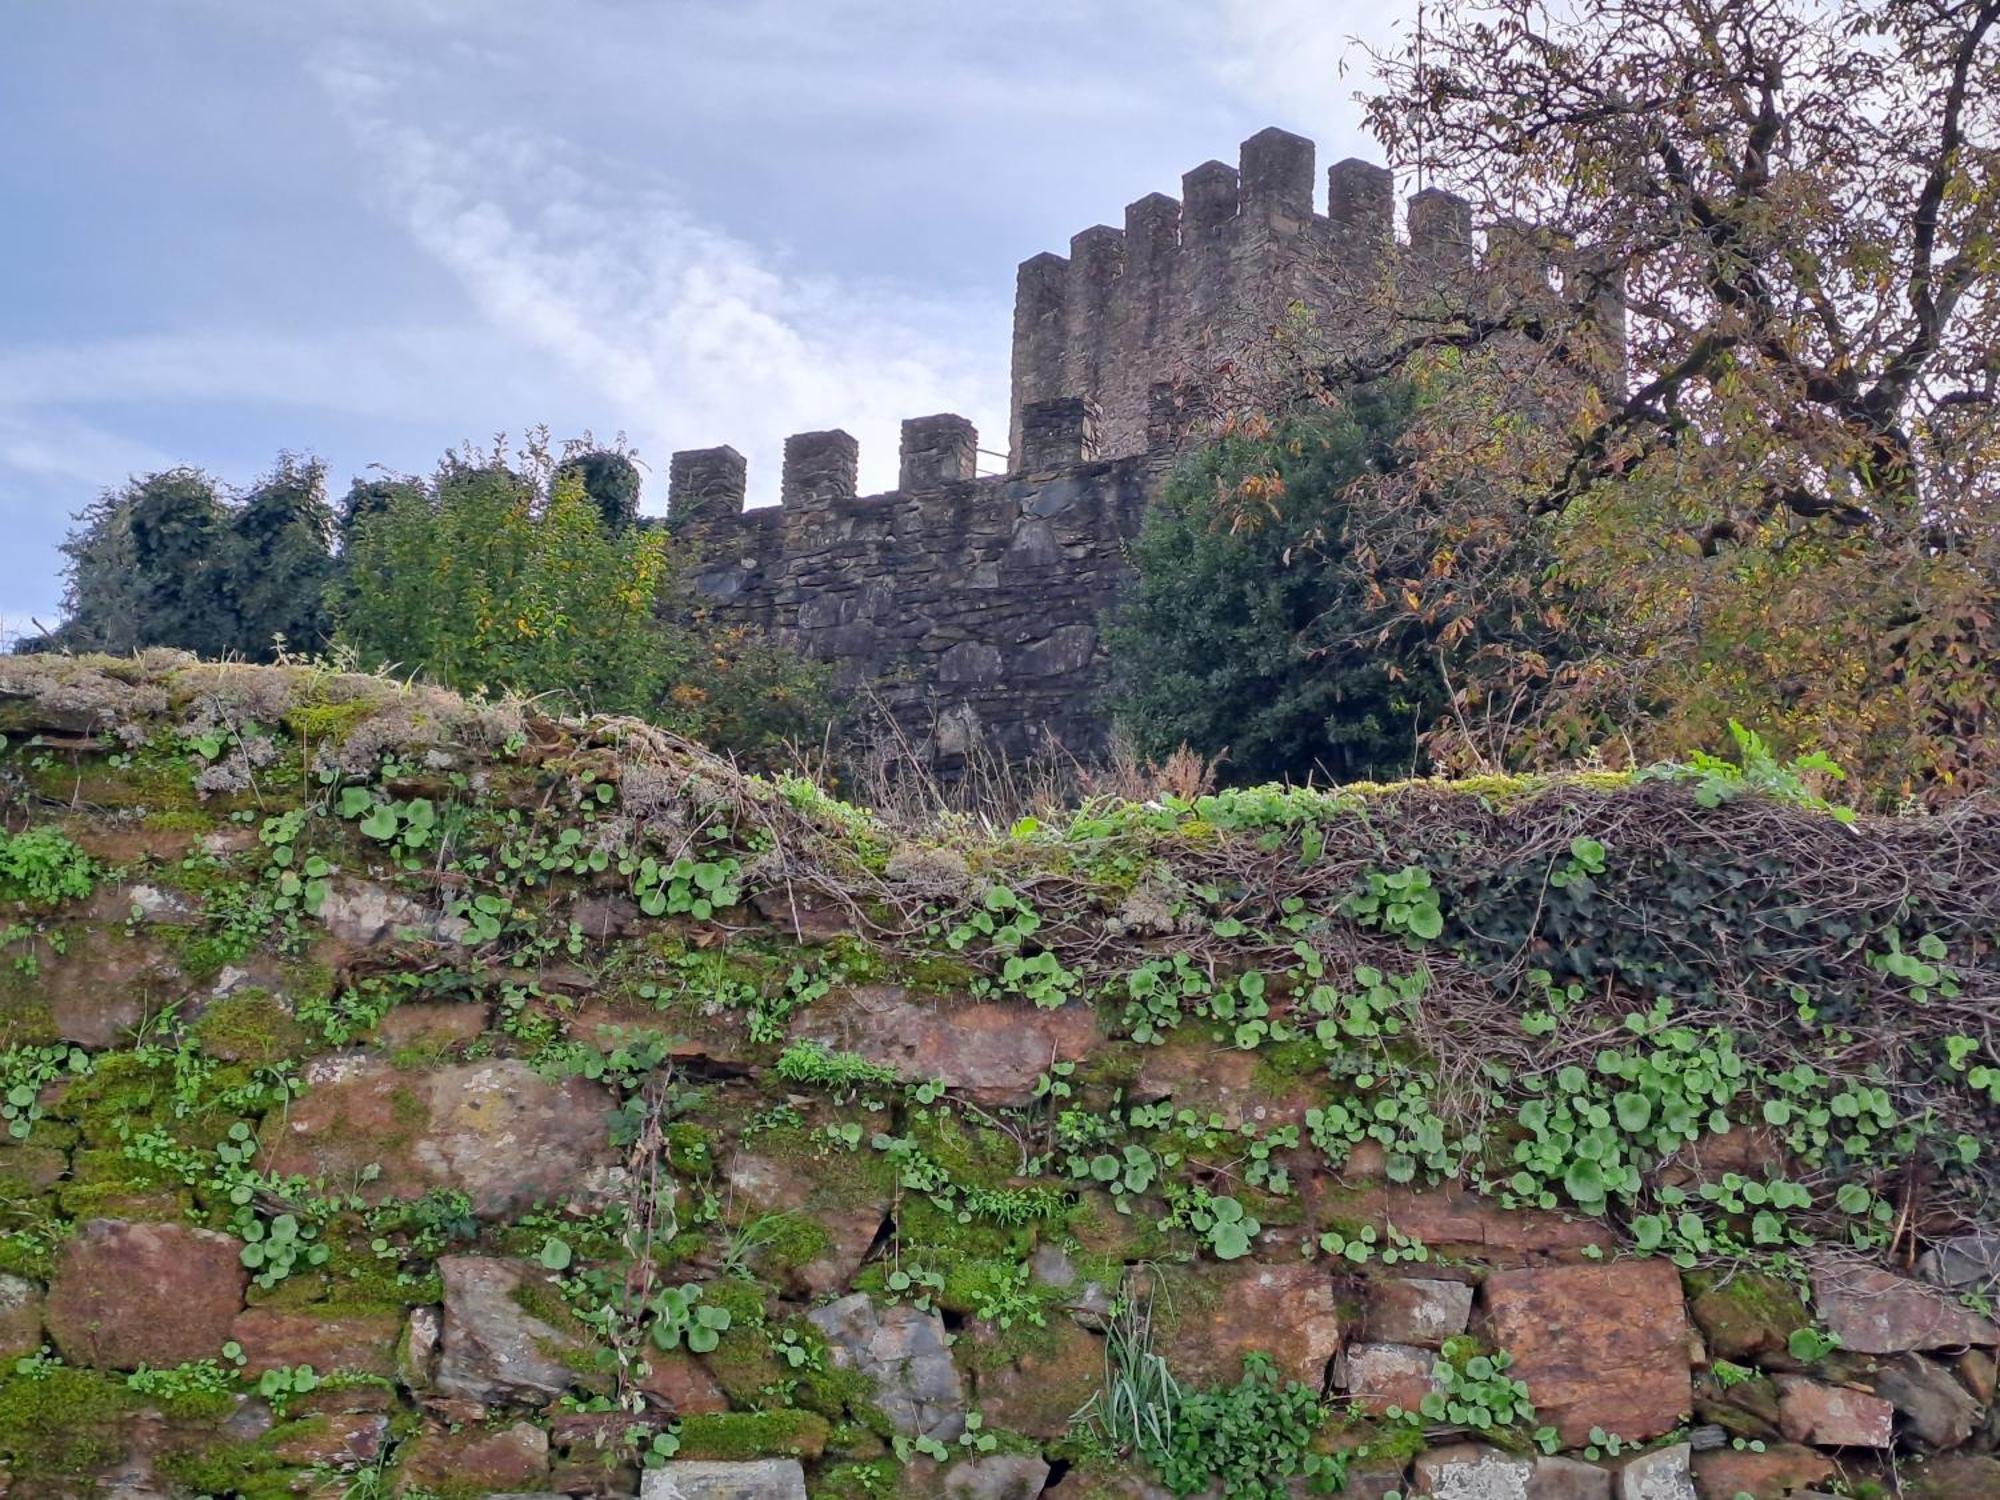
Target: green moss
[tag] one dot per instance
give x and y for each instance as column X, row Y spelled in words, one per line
column 251, row 1027
column 62, row 1423
column 105, row 1183
column 737, row 1435
column 785, row 1241
column 872, row 1479
column 317, row 722
column 690, row 1149
column 179, row 820
column 246, row 1470
column 974, row 1156
column 939, row 976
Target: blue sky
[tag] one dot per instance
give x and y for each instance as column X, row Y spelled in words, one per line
column 370, row 229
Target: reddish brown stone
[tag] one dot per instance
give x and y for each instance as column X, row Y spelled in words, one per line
column 839, row 1203
column 497, row 1131
column 1599, row 1346
column 431, row 1025
column 1379, row 1376
column 1831, row 1416
column 1211, row 1316
column 20, row 1317
column 1877, row 1312
column 344, row 1440
column 478, row 1459
column 1046, row 1386
column 105, row 984
column 357, row 1343
column 680, row 1383
column 129, row 1294
column 992, row 1053
column 1415, row 1311
column 1781, row 1469
column 1218, row 1081
column 1451, row 1221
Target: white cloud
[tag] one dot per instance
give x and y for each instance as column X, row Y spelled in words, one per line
column 683, row 335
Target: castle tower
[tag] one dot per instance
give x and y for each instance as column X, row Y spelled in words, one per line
column 1188, row 284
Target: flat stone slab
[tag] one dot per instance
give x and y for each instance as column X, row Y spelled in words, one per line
column 1599, row 1346
column 497, row 1131
column 698, row 1479
column 1879, row 1312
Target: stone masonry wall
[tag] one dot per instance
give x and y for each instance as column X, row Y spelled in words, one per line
column 971, row 606
column 422, row 1098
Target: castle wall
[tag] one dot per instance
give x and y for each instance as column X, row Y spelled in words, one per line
column 971, row 607
column 1187, row 285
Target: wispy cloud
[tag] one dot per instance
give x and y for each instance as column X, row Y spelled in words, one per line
column 700, row 221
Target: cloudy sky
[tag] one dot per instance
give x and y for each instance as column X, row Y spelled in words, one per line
column 370, row 229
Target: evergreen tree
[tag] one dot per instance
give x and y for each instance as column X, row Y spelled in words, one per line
column 281, row 560
column 1244, row 634
column 180, row 553
column 610, row 481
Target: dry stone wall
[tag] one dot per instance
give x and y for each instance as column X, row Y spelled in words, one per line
column 469, row 1104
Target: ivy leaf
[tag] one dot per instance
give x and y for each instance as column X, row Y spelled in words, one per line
column 555, row 1254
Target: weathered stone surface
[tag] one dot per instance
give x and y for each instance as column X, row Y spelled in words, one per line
column 903, row 1351
column 477, row 1459
column 840, row 1204
column 354, row 1343
column 1878, row 1312
column 430, row 1026
column 1781, row 1469
column 417, row 1353
column 1451, row 1221
column 1558, row 1478
column 991, row 1053
column 1935, row 1409
column 1663, row 1474
column 1220, row 1081
column 1953, row 1476
column 20, row 1317
column 105, row 986
column 1831, row 1416
column 1599, row 1346
column 1745, row 1316
column 343, row 1440
column 1038, row 1393
column 1379, row 1376
column 692, row 1479
column 1411, row 1310
column 1471, row 1471
column 681, row 1383
column 494, row 1349
column 996, row 1476
column 1089, row 1301
column 1979, row 1371
column 1215, row 1315
column 363, row 913
column 129, row 1294
column 1963, row 1262
column 497, row 1131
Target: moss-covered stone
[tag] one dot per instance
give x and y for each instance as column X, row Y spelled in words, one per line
column 60, row 1424
column 740, row 1435
column 252, row 1027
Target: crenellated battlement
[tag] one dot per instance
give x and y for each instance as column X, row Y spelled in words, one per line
column 1189, row 282
column 972, row 604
